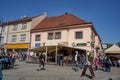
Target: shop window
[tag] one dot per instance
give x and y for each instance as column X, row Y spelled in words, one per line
column 57, row 35
column 37, row 38
column 50, row 35
column 78, row 35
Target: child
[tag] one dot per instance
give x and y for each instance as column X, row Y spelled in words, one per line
column 96, row 64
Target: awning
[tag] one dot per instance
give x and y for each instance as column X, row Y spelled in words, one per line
column 113, row 50
column 53, row 48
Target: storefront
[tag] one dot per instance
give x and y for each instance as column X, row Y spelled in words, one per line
column 53, row 51
column 20, row 49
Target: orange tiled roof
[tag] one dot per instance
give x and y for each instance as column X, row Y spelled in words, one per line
column 59, row 21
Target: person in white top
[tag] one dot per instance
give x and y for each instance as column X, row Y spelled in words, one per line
column 76, row 61
column 118, row 62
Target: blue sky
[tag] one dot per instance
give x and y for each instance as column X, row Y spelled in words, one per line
column 104, row 14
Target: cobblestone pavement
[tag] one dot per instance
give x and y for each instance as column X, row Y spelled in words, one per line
column 27, row 71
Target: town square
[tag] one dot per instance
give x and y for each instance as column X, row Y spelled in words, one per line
column 59, row 40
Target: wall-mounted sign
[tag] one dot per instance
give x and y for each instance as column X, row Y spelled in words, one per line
column 37, row 44
column 17, row 46
column 79, row 44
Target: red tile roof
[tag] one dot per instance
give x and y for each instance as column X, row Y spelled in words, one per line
column 59, row 21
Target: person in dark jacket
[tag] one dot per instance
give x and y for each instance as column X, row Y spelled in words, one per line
column 61, row 60
column 83, row 61
column 41, row 60
column 108, row 64
column 1, row 74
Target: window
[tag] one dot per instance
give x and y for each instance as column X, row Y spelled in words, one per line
column 24, row 25
column 2, row 39
column 15, row 27
column 50, row 35
column 78, row 35
column 37, row 38
column 23, row 37
column 14, row 37
column 3, row 29
column 57, row 35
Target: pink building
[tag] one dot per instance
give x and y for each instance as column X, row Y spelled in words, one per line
column 64, row 34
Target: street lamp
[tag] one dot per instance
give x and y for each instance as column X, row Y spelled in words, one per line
column 1, row 27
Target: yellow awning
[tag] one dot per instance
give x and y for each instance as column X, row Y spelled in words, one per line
column 16, row 46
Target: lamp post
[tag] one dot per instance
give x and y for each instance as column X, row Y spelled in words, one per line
column 1, row 27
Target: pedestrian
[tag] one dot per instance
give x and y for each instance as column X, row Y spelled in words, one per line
column 61, row 60
column 118, row 62
column 41, row 60
column 104, row 63
column 77, row 59
column 108, row 64
column 83, row 61
column 13, row 60
column 96, row 63
column 1, row 74
column 100, row 58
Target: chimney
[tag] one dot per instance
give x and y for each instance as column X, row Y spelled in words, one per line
column 66, row 13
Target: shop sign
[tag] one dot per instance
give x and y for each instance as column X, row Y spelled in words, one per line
column 79, row 44
column 37, row 44
column 16, row 46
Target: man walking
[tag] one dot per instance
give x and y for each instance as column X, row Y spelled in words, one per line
column 77, row 59
column 41, row 61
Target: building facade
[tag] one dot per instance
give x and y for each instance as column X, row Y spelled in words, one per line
column 69, row 30
column 17, row 34
column 3, row 40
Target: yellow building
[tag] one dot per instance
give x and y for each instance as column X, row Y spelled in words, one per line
column 18, row 37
